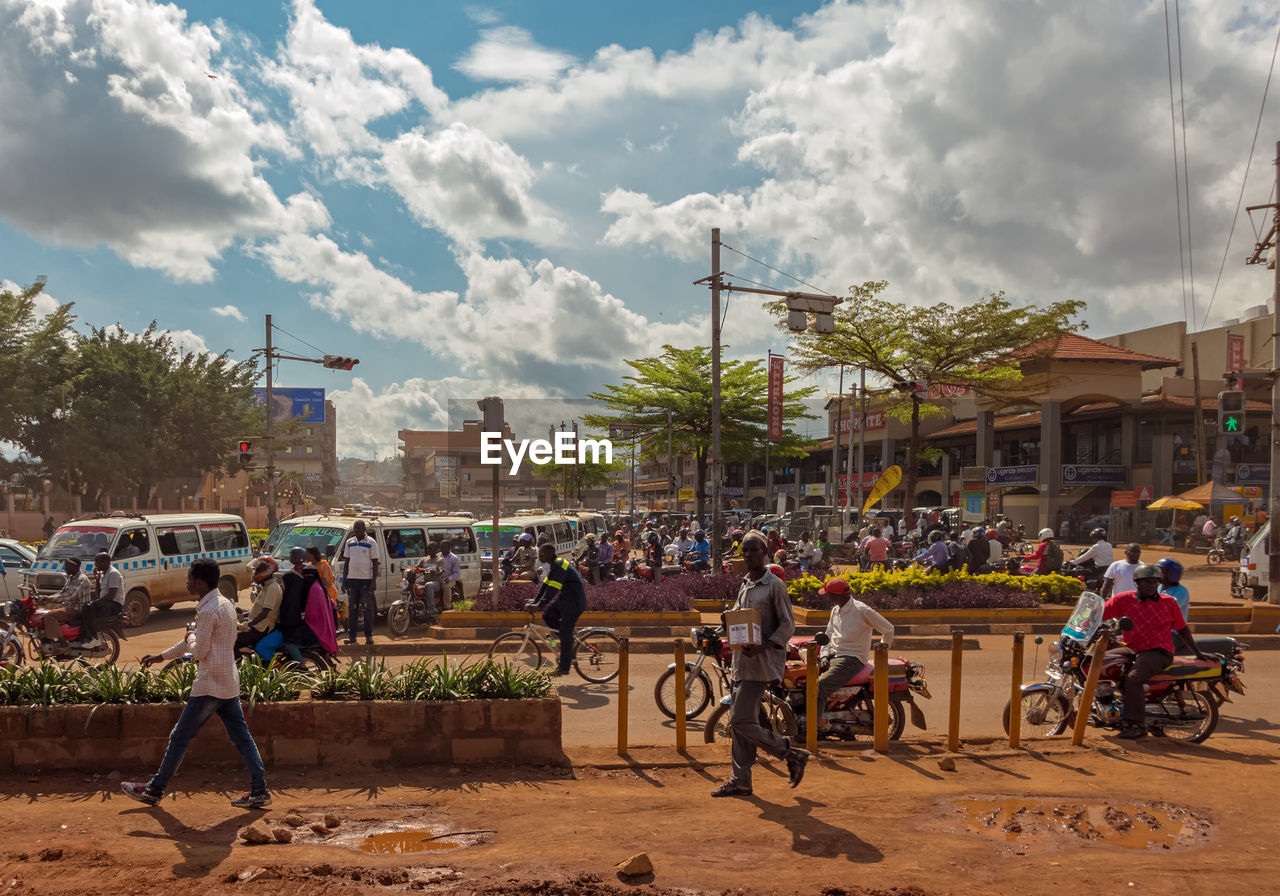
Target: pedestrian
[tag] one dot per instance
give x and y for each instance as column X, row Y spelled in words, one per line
column 216, row 690
column 754, row 667
column 48, row 528
column 1119, row 575
column 565, row 598
column 360, row 560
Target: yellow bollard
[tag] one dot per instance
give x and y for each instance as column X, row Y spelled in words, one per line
column 1015, row 706
column 881, row 705
column 953, row 725
column 1085, row 702
column 811, row 711
column 681, row 721
column 624, row 648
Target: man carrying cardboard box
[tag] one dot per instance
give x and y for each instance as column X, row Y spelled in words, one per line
column 755, row 665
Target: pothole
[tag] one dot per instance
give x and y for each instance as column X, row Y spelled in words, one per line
column 391, row 830
column 1049, row 823
column 397, row 842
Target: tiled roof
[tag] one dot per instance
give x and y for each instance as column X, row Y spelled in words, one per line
column 1003, row 421
column 1074, row 347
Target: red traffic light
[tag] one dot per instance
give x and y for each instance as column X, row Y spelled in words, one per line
column 245, row 447
column 340, row 362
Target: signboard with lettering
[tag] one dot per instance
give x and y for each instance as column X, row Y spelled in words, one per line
column 1114, row 475
column 1253, row 473
column 288, row 404
column 775, row 397
column 1027, row 474
column 687, row 494
column 947, row 390
column 874, row 420
column 1235, row 353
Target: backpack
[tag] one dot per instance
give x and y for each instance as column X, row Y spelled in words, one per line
column 1053, row 557
column 957, row 554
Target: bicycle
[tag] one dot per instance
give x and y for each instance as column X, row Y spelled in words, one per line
column 596, row 649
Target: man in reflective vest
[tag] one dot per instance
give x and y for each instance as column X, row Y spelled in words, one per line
column 565, row 598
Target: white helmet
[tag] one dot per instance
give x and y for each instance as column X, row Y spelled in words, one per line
column 1045, row 533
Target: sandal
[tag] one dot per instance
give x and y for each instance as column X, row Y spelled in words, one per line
column 731, row 788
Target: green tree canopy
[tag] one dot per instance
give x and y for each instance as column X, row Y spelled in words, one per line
column 976, row 346
column 679, row 381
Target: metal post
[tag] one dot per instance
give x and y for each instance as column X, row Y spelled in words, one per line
column 717, row 523
column 862, row 429
column 671, row 476
column 880, row 700
column 1273, row 496
column 681, row 718
column 833, row 487
column 272, row 519
column 957, row 665
column 624, row 653
column 849, row 473
column 768, row 444
column 812, row 712
column 1015, row 699
column 495, row 567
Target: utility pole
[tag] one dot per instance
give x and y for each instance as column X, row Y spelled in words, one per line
column 671, row 475
column 1198, row 416
column 272, row 519
column 849, row 471
column 1259, row 256
column 834, row 489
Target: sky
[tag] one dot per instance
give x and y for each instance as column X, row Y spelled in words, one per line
column 513, row 198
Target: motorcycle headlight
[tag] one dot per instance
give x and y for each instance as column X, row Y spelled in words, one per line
column 1055, row 649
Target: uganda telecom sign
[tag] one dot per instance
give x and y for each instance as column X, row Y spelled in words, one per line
column 566, row 448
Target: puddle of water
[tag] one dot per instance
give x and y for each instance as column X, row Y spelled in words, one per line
column 396, row 842
column 1048, row 822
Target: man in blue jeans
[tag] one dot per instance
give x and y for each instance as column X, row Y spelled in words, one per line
column 216, row 691
column 360, row 561
column 565, row 598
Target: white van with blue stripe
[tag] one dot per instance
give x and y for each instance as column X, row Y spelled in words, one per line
column 153, row 552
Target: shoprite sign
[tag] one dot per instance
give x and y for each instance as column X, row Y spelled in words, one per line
column 1112, row 475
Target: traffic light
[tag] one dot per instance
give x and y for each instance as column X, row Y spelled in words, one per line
column 246, row 453
column 338, row 362
column 1231, row 412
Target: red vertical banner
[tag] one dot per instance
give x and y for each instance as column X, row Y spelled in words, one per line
column 1235, row 352
column 775, row 397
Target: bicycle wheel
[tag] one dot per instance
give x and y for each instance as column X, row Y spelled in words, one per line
column 596, row 656
column 518, row 649
column 697, row 692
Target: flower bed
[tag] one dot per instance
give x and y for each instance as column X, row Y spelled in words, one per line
column 915, row 589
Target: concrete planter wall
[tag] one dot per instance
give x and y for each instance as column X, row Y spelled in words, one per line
column 132, row 739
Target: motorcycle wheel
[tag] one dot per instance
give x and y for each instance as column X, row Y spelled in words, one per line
column 1184, row 714
column 897, row 720
column 516, row 649
column 11, row 653
column 108, row 637
column 1044, row 714
column 314, row 660
column 698, row 690
column 1214, row 557
column 398, row 620
column 775, row 715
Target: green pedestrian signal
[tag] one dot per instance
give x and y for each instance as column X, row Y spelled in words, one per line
column 1231, row 412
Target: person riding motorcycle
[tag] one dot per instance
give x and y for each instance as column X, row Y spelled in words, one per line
column 849, row 630
column 701, row 552
column 1100, row 554
column 525, row 561
column 1048, row 555
column 590, row 557
column 1235, row 532
column 265, row 610
column 735, row 548
column 1156, row 618
column 1171, row 584
column 936, row 554
column 70, row 603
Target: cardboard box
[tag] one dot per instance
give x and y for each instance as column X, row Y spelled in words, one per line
column 743, row 627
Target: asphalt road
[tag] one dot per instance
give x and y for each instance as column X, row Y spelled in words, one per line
column 591, row 710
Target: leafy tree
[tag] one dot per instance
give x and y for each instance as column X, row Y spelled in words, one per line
column 138, row 411
column 35, row 354
column 577, row 478
column 978, row 346
column 679, row 381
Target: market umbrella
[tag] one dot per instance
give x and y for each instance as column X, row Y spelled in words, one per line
column 1174, row 502
column 1212, row 493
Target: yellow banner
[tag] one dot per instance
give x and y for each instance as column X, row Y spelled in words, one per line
column 688, row 494
column 887, row 482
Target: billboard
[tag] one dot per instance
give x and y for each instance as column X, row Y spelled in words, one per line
column 307, row 404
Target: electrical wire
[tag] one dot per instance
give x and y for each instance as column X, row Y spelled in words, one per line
column 1177, row 189
column 1245, row 180
column 724, row 245
column 274, row 326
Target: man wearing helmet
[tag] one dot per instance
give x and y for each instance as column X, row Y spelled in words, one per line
column 1100, row 554
column 525, row 562
column 265, row 610
column 1048, row 555
column 1171, row 584
column 1156, row 618
column 936, row 554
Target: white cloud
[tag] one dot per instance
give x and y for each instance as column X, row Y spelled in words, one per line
column 187, row 342
column 511, row 54
column 44, row 304
column 229, row 311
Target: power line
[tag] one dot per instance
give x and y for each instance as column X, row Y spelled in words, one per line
column 1245, row 179
column 724, row 245
column 274, row 326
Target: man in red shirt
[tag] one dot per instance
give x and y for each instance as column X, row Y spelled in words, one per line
column 1155, row 617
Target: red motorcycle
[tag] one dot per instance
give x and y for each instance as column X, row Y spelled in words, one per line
column 26, row 624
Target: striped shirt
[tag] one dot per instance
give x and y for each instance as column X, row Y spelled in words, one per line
column 213, row 646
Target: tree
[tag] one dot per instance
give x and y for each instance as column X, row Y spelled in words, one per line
column 577, row 478
column 35, row 354
column 679, row 381
column 136, row 411
column 978, row 346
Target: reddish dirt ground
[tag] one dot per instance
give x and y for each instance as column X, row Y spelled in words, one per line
column 1111, row 817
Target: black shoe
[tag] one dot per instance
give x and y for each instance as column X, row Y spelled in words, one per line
column 797, row 759
column 731, row 788
column 1132, row 732
column 139, row 792
column 252, row 801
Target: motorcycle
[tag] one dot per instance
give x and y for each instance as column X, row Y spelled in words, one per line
column 1181, row 701
column 1224, row 549
column 421, row 599
column 314, row 659
column 713, row 651
column 27, row 620
column 850, row 711
column 1090, row 573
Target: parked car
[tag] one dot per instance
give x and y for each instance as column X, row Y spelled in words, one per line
column 16, row 557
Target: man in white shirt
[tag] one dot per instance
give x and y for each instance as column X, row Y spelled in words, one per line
column 360, row 559
column 1100, row 553
column 110, row 582
column 1119, row 575
column 849, row 629
column 216, row 691
column 451, row 566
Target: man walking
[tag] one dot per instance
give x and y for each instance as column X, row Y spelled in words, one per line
column 754, row 666
column 360, row 560
column 216, row 691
